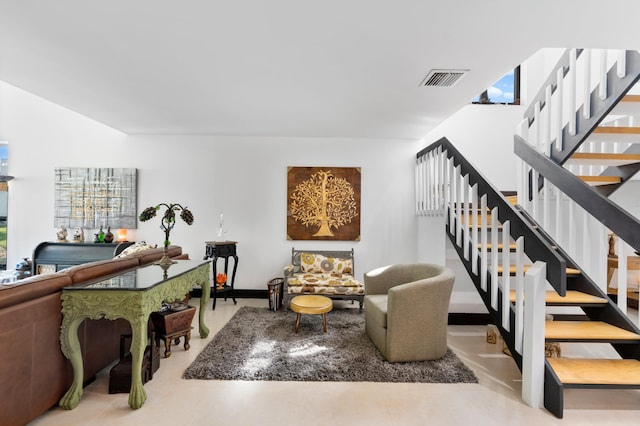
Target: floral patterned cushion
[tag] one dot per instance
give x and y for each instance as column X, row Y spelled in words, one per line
column 319, row 283
column 314, row 263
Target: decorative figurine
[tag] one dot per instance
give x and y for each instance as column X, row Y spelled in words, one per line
column 78, row 236
column 62, row 235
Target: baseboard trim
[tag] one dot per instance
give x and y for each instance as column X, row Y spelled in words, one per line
column 461, row 318
column 238, row 293
column 455, row 318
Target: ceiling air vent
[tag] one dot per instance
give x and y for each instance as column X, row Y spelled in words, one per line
column 443, row 78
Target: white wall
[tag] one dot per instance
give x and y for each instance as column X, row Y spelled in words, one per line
column 245, row 177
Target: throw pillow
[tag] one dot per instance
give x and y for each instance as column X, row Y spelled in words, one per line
column 314, row 263
column 135, row 248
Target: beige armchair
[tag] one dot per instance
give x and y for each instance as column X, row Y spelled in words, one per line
column 406, row 310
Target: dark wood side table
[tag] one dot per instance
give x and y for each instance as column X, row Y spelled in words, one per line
column 222, row 249
column 172, row 324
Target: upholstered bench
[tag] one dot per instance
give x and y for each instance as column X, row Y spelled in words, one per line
column 326, row 273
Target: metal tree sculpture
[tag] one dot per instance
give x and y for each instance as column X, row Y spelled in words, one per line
column 324, row 201
column 167, row 223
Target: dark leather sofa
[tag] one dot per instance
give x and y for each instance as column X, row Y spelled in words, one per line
column 34, row 374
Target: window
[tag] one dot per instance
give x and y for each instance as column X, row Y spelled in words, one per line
column 505, row 91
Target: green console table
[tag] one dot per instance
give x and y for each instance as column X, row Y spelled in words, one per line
column 132, row 295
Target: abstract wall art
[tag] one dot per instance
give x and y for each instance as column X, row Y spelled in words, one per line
column 94, row 197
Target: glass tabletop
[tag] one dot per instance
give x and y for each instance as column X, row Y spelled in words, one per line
column 142, row 278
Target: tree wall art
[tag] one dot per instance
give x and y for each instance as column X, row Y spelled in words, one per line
column 323, row 203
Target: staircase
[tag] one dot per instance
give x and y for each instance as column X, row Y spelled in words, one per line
column 611, row 154
column 563, row 195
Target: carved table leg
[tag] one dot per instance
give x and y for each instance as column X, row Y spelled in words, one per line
column 137, row 394
column 204, row 299
column 71, row 349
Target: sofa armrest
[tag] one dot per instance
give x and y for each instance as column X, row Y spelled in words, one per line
column 288, row 271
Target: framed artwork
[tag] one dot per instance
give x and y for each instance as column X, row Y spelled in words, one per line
column 323, row 203
column 94, row 197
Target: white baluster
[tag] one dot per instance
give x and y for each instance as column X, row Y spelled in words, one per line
column 546, row 192
column 428, row 183
column 546, row 122
column 559, row 109
column 571, row 99
column 536, row 128
column 586, row 56
column 467, row 222
column 535, row 195
column 419, row 210
column 442, row 188
column 572, row 227
column 483, row 242
column 494, row 258
column 506, row 275
column 459, row 198
column 446, row 169
column 452, row 197
column 474, row 229
column 603, row 90
column 519, row 290
column 584, row 240
column 558, row 220
column 622, row 63
column 622, row 275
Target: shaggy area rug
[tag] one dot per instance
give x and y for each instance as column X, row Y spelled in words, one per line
column 259, row 344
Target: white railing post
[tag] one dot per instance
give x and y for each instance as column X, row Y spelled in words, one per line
column 534, row 321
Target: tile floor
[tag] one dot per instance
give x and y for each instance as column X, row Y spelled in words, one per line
column 495, row 400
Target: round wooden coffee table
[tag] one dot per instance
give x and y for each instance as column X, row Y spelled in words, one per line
column 311, row 305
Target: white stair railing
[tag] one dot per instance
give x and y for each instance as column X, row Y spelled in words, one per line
column 443, row 188
column 582, row 236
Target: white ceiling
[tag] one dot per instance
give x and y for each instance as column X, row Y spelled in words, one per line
column 348, row 68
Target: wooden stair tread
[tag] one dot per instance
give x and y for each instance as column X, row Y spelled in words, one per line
column 586, row 331
column 578, row 371
column 512, row 270
column 630, row 98
column 617, row 130
column 512, row 246
column 601, row 180
column 573, row 297
column 617, row 134
column 603, row 159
